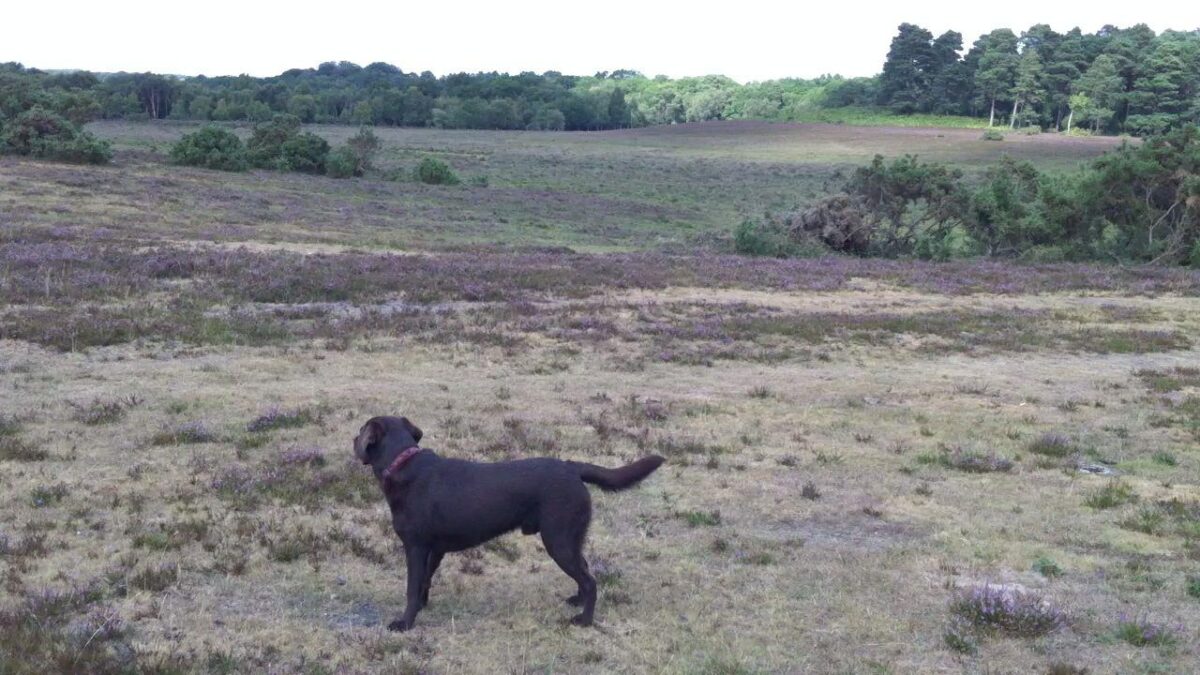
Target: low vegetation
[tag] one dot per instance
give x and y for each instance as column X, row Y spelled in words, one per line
column 185, row 354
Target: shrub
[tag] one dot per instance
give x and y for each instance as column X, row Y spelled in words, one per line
column 1142, row 632
column 363, row 147
column 1047, row 567
column 101, row 411
column 992, row 135
column 766, row 240
column 16, row 449
column 211, row 148
column 341, row 163
column 47, row 135
column 305, row 153
column 1008, row 610
column 1051, row 445
column 435, row 172
column 265, row 145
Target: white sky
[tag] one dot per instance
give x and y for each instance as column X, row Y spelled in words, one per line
column 746, row 39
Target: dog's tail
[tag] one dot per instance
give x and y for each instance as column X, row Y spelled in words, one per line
column 611, row 480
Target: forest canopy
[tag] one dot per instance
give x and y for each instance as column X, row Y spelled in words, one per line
column 1112, row 81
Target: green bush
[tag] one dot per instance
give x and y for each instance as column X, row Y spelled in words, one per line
column 266, row 143
column 363, row 146
column 341, row 163
column 211, row 148
column 305, row 153
column 44, row 134
column 764, row 240
column 435, row 172
column 993, row 135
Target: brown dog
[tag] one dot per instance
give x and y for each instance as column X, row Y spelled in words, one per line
column 441, row 505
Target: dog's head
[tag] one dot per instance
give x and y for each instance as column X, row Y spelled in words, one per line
column 381, row 432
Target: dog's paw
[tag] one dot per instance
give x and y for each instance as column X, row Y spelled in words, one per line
column 399, row 626
column 581, row 620
column 575, row 600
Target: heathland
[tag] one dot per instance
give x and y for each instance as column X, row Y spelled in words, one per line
column 874, row 465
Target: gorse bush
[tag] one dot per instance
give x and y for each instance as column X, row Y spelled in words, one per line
column 435, row 172
column 45, row 134
column 305, row 152
column 211, row 148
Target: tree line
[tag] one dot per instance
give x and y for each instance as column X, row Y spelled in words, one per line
column 1112, row 81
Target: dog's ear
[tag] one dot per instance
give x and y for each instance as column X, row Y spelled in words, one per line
column 413, row 430
column 370, row 433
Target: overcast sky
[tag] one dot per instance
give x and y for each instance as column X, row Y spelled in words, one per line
column 746, row 39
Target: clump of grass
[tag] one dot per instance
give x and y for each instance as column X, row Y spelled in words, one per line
column 1192, row 585
column 189, row 432
column 970, row 461
column 155, row 578
column 10, row 425
column 62, row 631
column 829, row 458
column 992, row 135
column 16, row 449
column 293, row 543
column 1160, row 518
column 1167, row 381
column 103, row 411
column 32, row 544
column 47, row 495
column 810, row 491
column 1047, row 567
column 520, row 438
column 698, row 518
column 606, row 572
column 1147, row 520
column 959, row 638
column 1140, row 631
column 1007, row 610
column 760, row 558
column 503, row 548
column 1112, row 495
column 274, row 418
column 1051, row 444
column 760, row 392
column 1163, row 457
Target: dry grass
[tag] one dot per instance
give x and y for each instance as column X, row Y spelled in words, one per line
column 847, row 462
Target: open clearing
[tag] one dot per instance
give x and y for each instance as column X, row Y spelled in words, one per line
column 852, row 445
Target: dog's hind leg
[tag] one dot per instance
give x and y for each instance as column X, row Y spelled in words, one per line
column 565, row 546
column 435, row 559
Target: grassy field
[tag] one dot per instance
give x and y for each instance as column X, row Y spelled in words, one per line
column 873, row 466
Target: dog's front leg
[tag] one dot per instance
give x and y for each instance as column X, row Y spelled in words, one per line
column 435, row 559
column 418, row 560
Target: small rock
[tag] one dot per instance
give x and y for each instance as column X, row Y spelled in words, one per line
column 1097, row 469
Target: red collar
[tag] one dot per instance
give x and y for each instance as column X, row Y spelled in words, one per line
column 400, row 461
